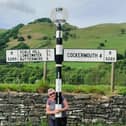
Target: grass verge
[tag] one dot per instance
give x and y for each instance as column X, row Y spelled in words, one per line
column 42, row 87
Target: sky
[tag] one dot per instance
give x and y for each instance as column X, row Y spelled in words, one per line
column 81, row 13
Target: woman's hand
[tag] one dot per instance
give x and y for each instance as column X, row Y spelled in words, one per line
column 57, row 111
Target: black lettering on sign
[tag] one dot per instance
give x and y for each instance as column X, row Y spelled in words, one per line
column 110, row 58
column 86, row 55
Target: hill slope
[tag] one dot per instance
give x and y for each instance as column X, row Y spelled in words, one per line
column 2, row 31
column 108, row 36
column 42, row 34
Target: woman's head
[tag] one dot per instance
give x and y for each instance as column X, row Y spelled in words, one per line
column 51, row 92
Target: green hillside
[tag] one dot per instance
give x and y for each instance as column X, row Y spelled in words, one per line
column 42, row 34
column 108, row 36
column 2, row 31
column 35, row 35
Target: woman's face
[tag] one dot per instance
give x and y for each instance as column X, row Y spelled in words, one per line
column 52, row 95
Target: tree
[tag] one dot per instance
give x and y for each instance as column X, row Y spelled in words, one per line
column 29, row 37
column 46, row 20
column 101, row 44
column 125, row 54
column 120, row 56
column 21, row 38
column 66, row 35
column 122, row 31
column 21, row 46
column 45, row 38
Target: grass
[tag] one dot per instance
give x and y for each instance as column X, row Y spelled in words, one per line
column 77, row 65
column 18, row 87
column 99, row 89
column 41, row 86
column 91, row 37
column 122, row 90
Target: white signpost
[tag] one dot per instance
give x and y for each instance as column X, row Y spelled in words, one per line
column 110, row 56
column 75, row 55
column 90, row 55
column 30, row 55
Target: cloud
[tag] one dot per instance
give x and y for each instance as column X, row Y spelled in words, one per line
column 82, row 13
column 17, row 5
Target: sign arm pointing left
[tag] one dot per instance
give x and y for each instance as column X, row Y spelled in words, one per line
column 26, row 55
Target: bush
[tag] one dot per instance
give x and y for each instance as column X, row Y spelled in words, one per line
column 21, row 46
column 120, row 56
column 122, row 31
column 29, row 36
column 101, row 44
column 21, row 74
column 4, row 38
column 21, row 38
column 45, row 38
column 47, row 20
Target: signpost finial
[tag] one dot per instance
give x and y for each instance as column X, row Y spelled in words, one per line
column 59, row 15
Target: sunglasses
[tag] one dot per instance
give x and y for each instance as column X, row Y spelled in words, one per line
column 51, row 94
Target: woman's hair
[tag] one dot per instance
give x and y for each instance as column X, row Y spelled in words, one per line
column 50, row 90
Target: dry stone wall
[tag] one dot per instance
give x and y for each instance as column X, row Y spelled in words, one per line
column 21, row 109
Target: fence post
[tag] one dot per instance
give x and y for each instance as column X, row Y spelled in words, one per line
column 112, row 77
column 44, row 70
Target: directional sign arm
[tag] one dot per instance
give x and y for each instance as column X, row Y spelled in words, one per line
column 30, row 55
column 90, row 55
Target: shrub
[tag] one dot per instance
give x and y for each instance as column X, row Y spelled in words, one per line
column 45, row 38
column 21, row 46
column 47, row 20
column 101, row 44
column 122, row 31
column 21, row 38
column 29, row 36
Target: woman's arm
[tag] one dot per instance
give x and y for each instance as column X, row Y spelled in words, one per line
column 49, row 112
column 66, row 106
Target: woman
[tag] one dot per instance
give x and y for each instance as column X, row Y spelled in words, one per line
column 51, row 111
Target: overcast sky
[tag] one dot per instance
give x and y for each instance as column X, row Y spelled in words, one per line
column 82, row 13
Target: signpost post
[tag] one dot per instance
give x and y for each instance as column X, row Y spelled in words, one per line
column 59, row 16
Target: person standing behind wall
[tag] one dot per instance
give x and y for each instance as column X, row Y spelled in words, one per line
column 51, row 111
